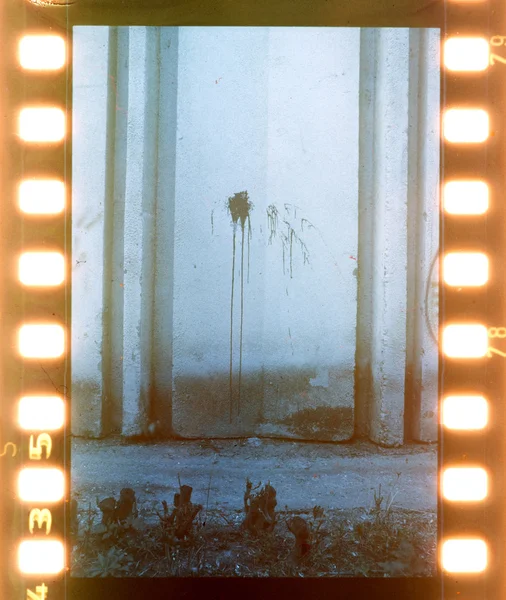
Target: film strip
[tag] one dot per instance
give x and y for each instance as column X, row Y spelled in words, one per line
column 36, row 314
column 37, row 127
column 470, row 477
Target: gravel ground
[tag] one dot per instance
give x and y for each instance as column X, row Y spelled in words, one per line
column 334, row 476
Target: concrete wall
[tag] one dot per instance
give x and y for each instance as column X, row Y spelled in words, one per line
column 249, row 272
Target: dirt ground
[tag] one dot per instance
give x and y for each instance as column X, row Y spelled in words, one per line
column 375, row 508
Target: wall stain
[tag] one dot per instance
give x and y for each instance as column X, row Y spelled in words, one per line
column 291, row 340
column 324, row 423
column 239, row 207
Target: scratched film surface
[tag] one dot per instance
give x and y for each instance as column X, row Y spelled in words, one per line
column 254, row 352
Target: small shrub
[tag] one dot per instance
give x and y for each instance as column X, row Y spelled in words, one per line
column 111, row 564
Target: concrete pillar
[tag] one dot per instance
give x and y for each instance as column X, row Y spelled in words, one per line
column 396, row 360
column 427, row 428
column 114, row 229
column 164, row 230
column 423, row 222
column 89, row 173
column 390, row 177
column 128, row 134
column 140, row 192
column 364, row 393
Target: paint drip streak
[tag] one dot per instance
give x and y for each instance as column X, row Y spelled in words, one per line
column 291, row 253
column 249, row 238
column 232, row 322
column 242, row 320
column 239, row 208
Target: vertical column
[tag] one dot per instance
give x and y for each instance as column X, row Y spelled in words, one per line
column 366, row 227
column 390, row 157
column 414, row 283
column 114, row 224
column 90, row 103
column 164, row 228
column 140, row 192
column 424, row 422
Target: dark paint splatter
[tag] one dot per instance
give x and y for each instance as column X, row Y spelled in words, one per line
column 239, row 207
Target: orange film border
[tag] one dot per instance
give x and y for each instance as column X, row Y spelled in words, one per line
column 25, row 377
column 482, row 376
column 34, row 378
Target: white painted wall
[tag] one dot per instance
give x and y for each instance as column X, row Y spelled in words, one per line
column 91, row 88
column 277, row 112
column 313, row 163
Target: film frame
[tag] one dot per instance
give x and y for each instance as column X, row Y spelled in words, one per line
column 477, row 373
